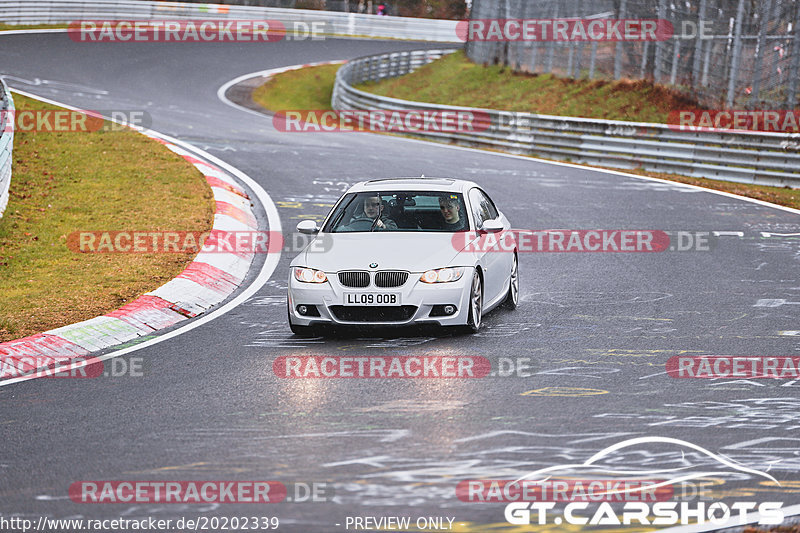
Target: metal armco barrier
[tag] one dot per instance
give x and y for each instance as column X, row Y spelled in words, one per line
column 6, row 143
column 747, row 157
column 334, row 23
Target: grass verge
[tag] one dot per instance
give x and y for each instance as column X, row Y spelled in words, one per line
column 310, row 88
column 457, row 81
column 307, row 88
column 70, row 181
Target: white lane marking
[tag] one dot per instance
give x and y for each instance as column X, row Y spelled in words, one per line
column 264, row 74
column 263, row 276
column 221, row 96
column 39, row 30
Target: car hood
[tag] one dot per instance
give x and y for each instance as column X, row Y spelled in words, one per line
column 415, row 252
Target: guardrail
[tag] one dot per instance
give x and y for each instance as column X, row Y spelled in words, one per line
column 747, row 157
column 6, row 143
column 335, row 23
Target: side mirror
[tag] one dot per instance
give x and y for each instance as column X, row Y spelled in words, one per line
column 309, row 227
column 492, row 226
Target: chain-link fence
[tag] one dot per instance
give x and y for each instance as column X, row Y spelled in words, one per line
column 732, row 53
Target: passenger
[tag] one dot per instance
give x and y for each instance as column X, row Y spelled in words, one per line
column 451, row 214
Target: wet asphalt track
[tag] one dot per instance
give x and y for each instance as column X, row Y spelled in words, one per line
column 210, row 407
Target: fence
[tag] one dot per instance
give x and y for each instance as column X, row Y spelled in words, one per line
column 736, row 53
column 333, row 23
column 6, row 144
column 747, row 157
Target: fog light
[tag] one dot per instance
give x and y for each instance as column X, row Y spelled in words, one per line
column 302, row 309
column 449, row 309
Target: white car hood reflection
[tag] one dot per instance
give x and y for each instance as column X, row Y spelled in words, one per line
column 414, row 252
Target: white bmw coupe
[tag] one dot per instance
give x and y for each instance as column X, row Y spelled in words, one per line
column 395, row 252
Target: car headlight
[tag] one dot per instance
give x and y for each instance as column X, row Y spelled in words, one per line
column 309, row 275
column 442, row 275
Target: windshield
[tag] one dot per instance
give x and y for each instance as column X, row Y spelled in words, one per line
column 399, row 211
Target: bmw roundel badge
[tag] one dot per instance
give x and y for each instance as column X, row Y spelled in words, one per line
column 373, row 265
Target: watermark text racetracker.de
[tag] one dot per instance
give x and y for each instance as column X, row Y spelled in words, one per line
column 403, row 367
column 200, row 492
column 583, row 30
column 768, row 120
column 192, row 242
column 60, row 367
column 567, row 240
column 72, row 121
column 396, row 121
column 194, row 31
column 733, row 367
column 376, row 367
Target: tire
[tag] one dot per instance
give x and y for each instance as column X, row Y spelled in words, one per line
column 475, row 317
column 302, row 331
column 512, row 296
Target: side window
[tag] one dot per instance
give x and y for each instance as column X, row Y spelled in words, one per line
column 478, row 203
column 482, row 207
column 488, row 206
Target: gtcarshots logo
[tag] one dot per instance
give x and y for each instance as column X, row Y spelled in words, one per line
column 401, row 121
column 193, row 31
column 657, row 514
column 540, row 505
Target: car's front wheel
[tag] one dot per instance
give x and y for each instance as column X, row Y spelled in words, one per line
column 512, row 297
column 475, row 304
column 303, row 331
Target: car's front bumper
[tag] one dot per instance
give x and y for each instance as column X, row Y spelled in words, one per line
column 328, row 298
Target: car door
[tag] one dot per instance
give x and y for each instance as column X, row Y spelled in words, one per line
column 495, row 263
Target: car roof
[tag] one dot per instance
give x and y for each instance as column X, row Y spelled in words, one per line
column 413, row 184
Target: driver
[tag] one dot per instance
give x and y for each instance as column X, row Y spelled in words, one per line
column 373, row 206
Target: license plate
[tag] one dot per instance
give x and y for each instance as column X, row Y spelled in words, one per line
column 371, row 298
